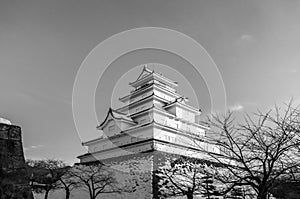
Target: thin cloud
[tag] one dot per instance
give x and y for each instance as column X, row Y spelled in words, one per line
column 245, row 40
column 37, row 146
column 293, row 70
column 296, row 101
column 287, row 70
column 33, row 147
column 237, row 107
column 246, row 37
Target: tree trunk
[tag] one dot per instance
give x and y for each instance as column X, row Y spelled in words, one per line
column 262, row 195
column 92, row 196
column 67, row 193
column 46, row 194
column 189, row 196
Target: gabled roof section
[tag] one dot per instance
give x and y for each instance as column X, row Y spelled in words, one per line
column 116, row 115
column 148, row 75
column 181, row 102
column 146, row 71
column 146, row 88
column 177, row 100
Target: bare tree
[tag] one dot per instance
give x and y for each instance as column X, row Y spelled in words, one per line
column 68, row 182
column 186, row 177
column 95, row 178
column 45, row 175
column 259, row 152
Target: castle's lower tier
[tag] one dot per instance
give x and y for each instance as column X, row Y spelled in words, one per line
column 139, row 169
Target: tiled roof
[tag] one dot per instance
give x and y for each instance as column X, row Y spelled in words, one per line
column 118, row 116
column 147, row 72
column 181, row 101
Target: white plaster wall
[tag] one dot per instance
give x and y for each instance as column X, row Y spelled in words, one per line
column 140, row 96
column 179, row 125
column 144, row 118
column 111, row 128
column 187, row 115
column 122, row 151
column 180, row 151
column 173, row 137
column 124, row 125
column 132, row 137
column 143, row 106
column 164, row 96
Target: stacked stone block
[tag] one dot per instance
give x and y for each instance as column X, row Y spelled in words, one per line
column 14, row 181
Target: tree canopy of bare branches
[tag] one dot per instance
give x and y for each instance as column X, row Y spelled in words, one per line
column 186, row 177
column 95, row 178
column 260, row 152
column 46, row 175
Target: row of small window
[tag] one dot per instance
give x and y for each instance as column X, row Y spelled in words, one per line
column 174, row 139
column 176, row 125
column 143, row 120
column 111, row 128
column 140, row 97
column 140, row 108
column 182, row 141
column 166, row 97
column 118, row 143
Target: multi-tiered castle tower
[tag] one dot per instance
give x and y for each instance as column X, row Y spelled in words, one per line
column 156, row 124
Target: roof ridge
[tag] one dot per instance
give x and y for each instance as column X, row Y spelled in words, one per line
column 113, row 110
column 145, row 69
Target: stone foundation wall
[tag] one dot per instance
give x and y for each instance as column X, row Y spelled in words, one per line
column 136, row 169
column 139, row 170
column 14, row 182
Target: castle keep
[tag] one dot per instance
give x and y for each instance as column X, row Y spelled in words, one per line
column 154, row 125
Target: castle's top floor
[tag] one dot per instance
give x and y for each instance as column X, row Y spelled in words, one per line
column 147, row 76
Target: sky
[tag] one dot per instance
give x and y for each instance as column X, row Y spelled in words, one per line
column 255, row 44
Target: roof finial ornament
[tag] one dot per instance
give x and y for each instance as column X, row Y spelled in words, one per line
column 147, row 69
